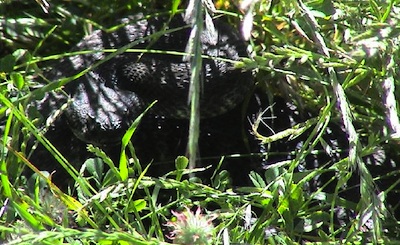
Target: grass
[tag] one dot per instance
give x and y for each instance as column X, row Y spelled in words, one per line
column 337, row 60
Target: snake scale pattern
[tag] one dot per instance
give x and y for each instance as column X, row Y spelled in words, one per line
column 107, row 99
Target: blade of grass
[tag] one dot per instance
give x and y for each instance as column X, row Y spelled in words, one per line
column 3, row 164
column 195, row 11
column 123, row 161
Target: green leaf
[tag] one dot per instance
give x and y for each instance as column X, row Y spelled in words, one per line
column 18, row 80
column 296, row 198
column 221, row 180
column 95, row 167
column 175, row 6
column 139, row 204
column 257, row 180
column 181, row 163
column 7, row 63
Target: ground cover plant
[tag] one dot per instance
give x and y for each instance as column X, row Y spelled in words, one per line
column 334, row 61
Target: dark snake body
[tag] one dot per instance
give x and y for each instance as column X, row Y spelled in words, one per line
column 107, row 99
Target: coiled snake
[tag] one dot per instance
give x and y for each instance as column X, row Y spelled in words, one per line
column 106, row 99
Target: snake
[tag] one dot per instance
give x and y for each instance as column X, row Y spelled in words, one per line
column 104, row 100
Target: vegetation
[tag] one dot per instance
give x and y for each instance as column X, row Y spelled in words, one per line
column 337, row 59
